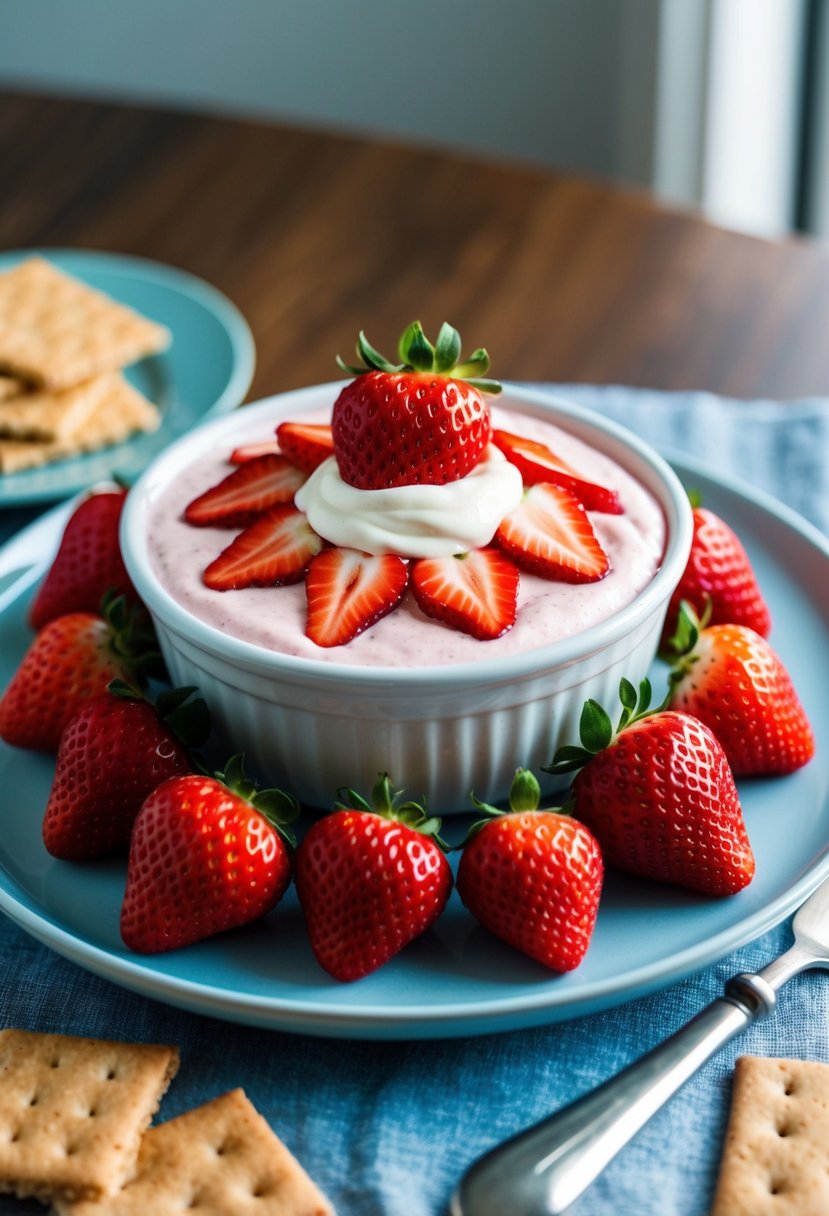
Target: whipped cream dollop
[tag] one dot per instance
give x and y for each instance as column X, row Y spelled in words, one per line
column 412, row 521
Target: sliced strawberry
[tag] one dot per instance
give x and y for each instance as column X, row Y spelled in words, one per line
column 475, row 592
column 275, row 549
column 305, row 444
column 245, row 493
column 348, row 591
column 549, row 533
column 536, row 462
column 250, row 451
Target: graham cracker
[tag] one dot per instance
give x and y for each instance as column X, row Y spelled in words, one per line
column 119, row 411
column 775, row 1157
column 56, row 331
column 218, row 1159
column 51, row 415
column 10, row 386
column 72, row 1111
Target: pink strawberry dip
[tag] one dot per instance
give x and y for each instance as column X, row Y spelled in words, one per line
column 274, row 618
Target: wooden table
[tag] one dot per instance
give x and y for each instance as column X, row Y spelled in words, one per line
column 315, row 236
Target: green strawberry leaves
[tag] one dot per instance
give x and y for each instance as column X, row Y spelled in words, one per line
column 383, row 802
column 524, row 795
column 417, row 353
column 187, row 717
column 596, row 730
column 280, row 808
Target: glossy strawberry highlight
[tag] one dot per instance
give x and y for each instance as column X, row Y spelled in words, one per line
column 371, row 877
column 533, row 877
column 658, row 794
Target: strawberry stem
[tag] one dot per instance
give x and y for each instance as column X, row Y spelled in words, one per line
column 280, row 808
column 417, row 354
column 384, row 803
column 133, row 636
column 524, row 795
column 189, row 720
column 596, row 730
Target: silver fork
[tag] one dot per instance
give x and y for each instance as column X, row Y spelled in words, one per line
column 543, row 1170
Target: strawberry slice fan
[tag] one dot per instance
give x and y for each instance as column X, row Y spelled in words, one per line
column 423, row 421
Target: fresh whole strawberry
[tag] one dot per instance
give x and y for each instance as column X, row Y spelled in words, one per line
column 421, row 421
column 71, row 660
column 88, row 563
column 719, row 573
column 370, row 877
column 730, row 678
column 207, row 854
column 113, row 753
column 533, row 877
column 659, row 796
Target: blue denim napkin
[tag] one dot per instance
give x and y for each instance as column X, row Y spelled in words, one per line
column 387, row 1128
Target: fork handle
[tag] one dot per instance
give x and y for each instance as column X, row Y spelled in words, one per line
column 541, row 1171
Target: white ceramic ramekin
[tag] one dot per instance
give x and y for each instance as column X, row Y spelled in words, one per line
column 439, row 731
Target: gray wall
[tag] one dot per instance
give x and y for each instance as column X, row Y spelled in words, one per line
column 567, row 83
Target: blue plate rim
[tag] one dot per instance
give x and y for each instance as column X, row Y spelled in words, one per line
column 462, row 1017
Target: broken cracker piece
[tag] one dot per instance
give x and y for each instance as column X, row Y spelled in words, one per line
column 120, row 411
column 10, row 386
column 44, row 414
column 72, row 1111
column 775, row 1159
column 56, row 331
column 218, row 1159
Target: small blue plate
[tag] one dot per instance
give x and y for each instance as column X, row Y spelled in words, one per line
column 456, row 979
column 206, row 370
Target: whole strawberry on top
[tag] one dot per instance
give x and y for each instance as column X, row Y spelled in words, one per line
column 659, row 796
column 207, row 854
column 71, row 660
column 533, row 877
column 371, row 877
column 718, row 573
column 729, row 677
column 423, row 420
column 113, row 753
column 88, row 563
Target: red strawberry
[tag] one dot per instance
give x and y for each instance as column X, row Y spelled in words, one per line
column 370, row 877
column 533, row 877
column 659, row 796
column 719, row 570
column 70, row 661
column 347, row 591
column 536, row 462
column 207, row 854
column 275, row 549
column 423, row 420
column 549, row 533
column 250, row 451
column 730, row 678
column 475, row 592
column 113, row 753
column 88, row 562
column 245, row 493
column 305, row 444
